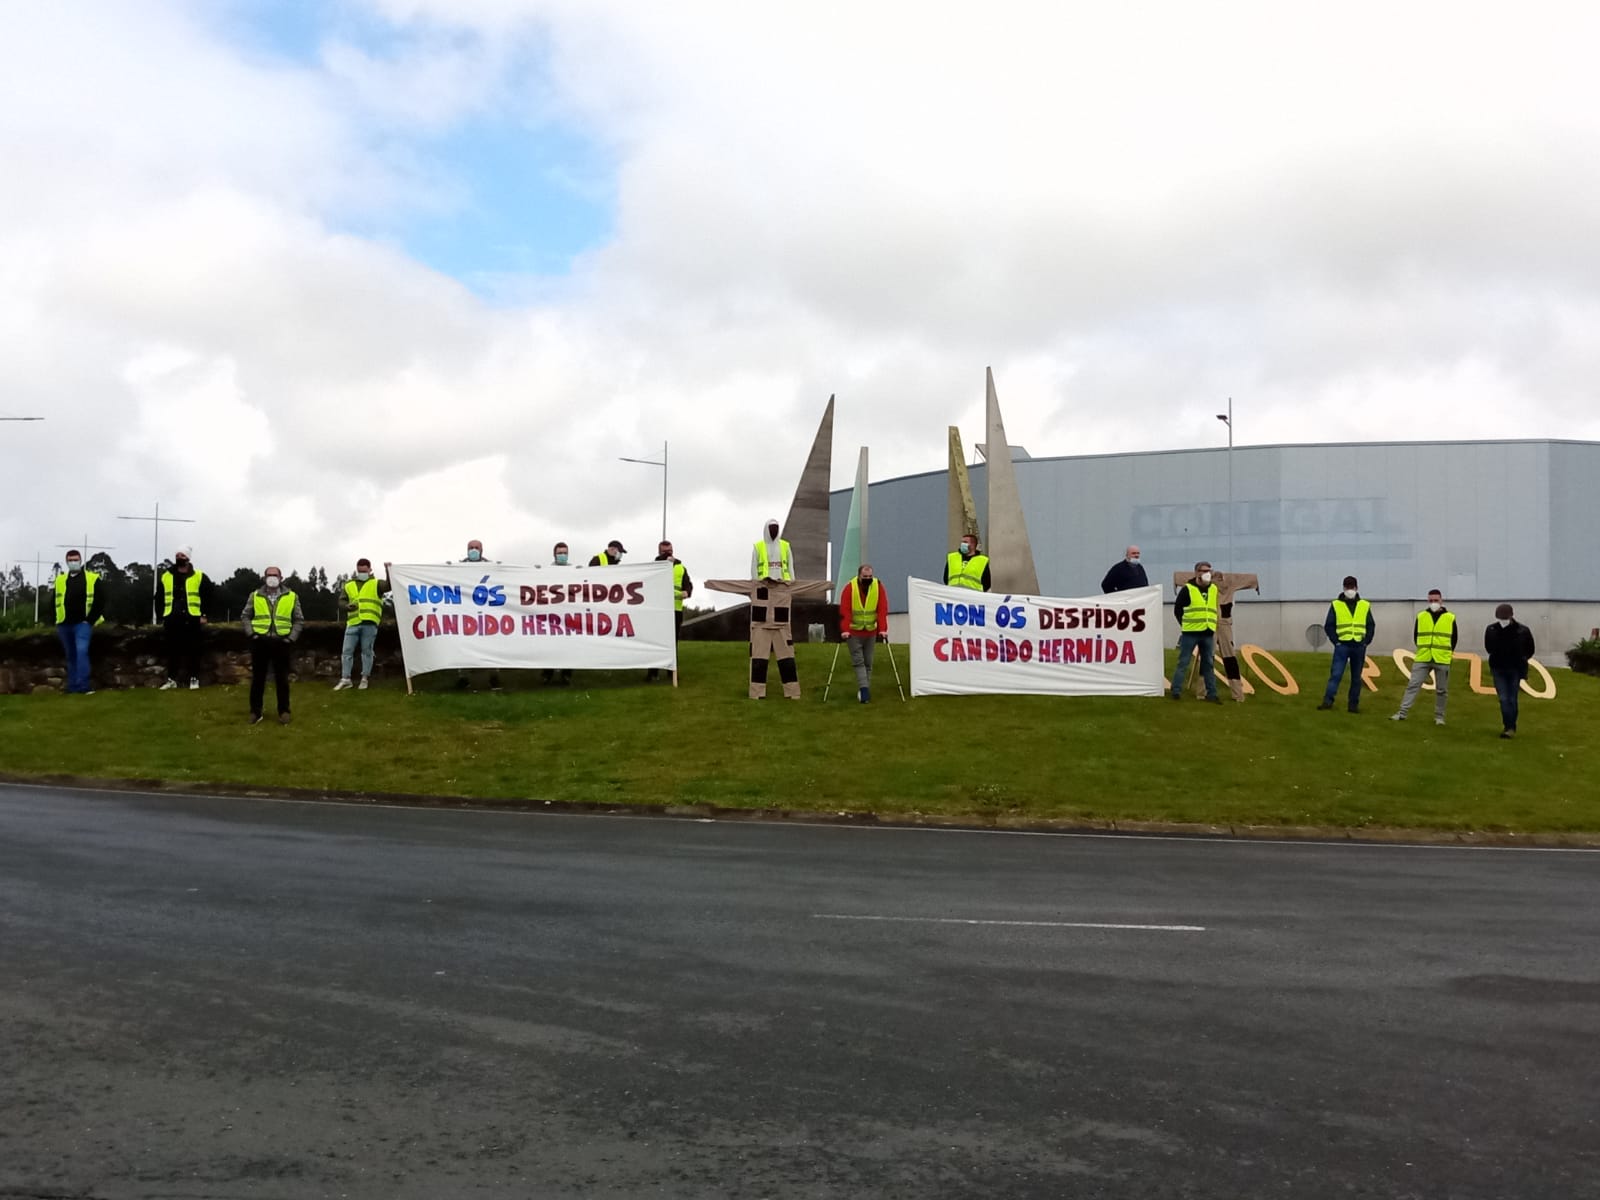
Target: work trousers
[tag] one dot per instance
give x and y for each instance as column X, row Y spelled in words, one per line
column 861, row 649
column 1419, row 675
column 269, row 653
column 356, row 637
column 766, row 641
column 184, row 633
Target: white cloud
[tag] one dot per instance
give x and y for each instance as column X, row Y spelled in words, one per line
column 1131, row 211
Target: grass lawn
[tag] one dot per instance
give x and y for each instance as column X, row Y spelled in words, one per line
column 613, row 739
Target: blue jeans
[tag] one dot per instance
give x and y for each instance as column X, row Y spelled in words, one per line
column 362, row 635
column 1507, row 685
column 75, row 641
column 1187, row 642
column 1353, row 654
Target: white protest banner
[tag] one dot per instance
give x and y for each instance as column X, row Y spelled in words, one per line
column 965, row 642
column 458, row 616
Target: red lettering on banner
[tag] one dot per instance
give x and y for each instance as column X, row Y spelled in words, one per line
column 574, row 622
column 469, row 625
column 432, row 625
column 416, row 628
column 450, row 623
column 624, row 625
column 530, row 624
column 1085, row 650
column 636, row 592
column 939, row 645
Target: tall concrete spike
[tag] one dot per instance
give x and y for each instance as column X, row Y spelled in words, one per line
column 854, row 551
column 806, row 526
column 962, row 516
column 1011, row 564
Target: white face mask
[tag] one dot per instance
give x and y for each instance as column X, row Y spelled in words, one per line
column 363, row 576
column 1133, row 558
column 74, row 565
column 1434, row 606
column 1351, row 593
column 474, row 555
column 561, row 559
column 1205, row 576
column 272, row 583
column 1503, row 622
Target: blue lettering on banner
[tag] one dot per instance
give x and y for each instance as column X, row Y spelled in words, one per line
column 957, row 614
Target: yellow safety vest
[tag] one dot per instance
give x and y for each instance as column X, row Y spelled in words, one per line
column 267, row 617
column 90, row 579
column 1433, row 637
column 604, row 561
column 863, row 609
column 678, row 572
column 1351, row 623
column 1200, row 613
column 192, row 588
column 966, row 572
column 365, row 604
column 763, row 566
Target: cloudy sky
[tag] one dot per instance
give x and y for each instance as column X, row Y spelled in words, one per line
column 376, row 276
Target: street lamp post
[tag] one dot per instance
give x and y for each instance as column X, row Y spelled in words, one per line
column 1227, row 419
column 155, row 554
column 650, row 462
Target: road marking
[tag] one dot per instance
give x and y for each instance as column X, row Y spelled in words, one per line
column 1024, row 924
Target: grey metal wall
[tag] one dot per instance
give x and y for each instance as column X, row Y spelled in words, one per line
column 1481, row 520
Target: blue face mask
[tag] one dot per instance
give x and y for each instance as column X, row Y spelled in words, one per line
column 561, row 560
column 474, row 555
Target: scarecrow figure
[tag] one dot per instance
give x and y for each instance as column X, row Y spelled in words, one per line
column 771, row 601
column 1228, row 583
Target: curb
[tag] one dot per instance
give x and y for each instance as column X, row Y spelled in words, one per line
column 1374, row 835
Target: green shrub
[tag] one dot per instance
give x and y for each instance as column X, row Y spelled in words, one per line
column 1585, row 656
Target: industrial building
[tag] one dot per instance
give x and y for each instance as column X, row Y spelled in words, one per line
column 1486, row 522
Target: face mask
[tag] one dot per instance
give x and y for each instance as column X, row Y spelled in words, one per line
column 1134, row 559
column 73, row 566
column 1350, row 593
column 964, row 550
column 182, row 567
column 1205, row 576
column 272, row 583
column 363, row 576
column 772, row 533
column 1435, row 606
column 474, row 555
column 866, row 580
column 1503, row 622
column 561, row 559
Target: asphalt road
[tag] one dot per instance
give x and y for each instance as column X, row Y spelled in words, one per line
column 236, row 998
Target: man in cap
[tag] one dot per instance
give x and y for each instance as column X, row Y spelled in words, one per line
column 185, row 593
column 1124, row 575
column 1509, row 644
column 272, row 621
column 80, row 606
column 610, row 556
column 682, row 589
column 770, row 556
column 361, row 603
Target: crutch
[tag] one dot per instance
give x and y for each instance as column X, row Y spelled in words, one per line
column 889, row 646
column 831, row 665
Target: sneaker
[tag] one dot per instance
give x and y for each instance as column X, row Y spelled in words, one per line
column 283, row 718
column 344, row 683
column 1402, row 717
column 169, row 685
column 194, row 684
column 1438, row 720
column 362, row 686
column 1325, row 706
column 256, row 718
column 1505, row 733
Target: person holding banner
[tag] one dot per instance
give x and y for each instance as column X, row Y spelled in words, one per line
column 863, row 619
column 559, row 557
column 610, row 556
column 464, row 678
column 1197, row 610
column 965, row 567
column 770, row 556
column 682, row 589
column 771, row 603
column 361, row 604
column 272, row 620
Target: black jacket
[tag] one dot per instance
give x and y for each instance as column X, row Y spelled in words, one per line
column 1330, row 623
column 1509, row 648
column 1455, row 628
column 180, row 597
column 1124, row 575
column 72, row 602
column 1182, row 602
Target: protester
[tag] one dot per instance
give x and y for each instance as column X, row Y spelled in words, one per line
column 272, row 620
column 863, row 620
column 559, row 557
column 965, row 567
column 1509, row 644
column 1350, row 627
column 361, row 603
column 1435, row 633
column 80, row 606
column 185, row 593
column 610, row 556
column 771, row 551
column 1125, row 575
column 1196, row 609
column 1229, row 584
column 682, row 589
column 464, row 679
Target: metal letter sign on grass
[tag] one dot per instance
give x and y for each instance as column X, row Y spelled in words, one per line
column 460, row 616
column 969, row 643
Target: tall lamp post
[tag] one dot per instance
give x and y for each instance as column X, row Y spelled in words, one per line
column 155, row 554
column 1227, row 419
column 650, row 462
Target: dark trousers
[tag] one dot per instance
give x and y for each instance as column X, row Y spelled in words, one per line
column 1508, row 685
column 677, row 634
column 183, row 647
column 268, row 653
column 1353, row 655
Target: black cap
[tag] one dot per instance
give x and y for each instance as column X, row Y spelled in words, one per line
column 621, row 549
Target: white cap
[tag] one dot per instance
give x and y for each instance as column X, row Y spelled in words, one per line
column 183, row 551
